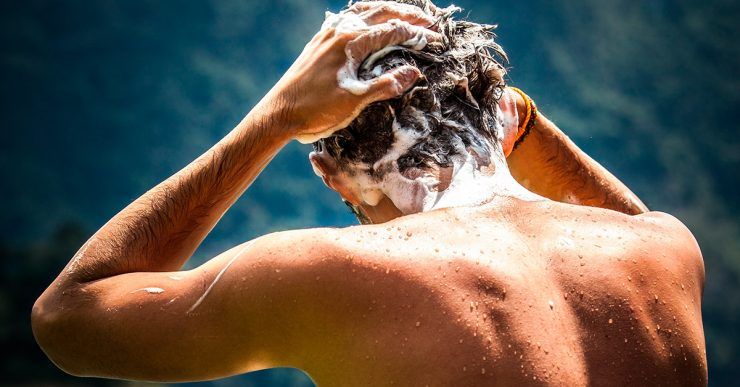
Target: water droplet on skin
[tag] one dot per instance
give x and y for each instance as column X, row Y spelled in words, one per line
column 611, row 321
column 151, row 290
column 483, row 371
column 418, row 324
column 552, row 304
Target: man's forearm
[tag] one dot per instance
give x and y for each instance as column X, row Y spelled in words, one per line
column 548, row 163
column 160, row 230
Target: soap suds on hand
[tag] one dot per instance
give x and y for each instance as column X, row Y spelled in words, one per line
column 407, row 148
column 347, row 76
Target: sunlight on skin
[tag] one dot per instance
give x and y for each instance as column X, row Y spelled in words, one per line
column 218, row 276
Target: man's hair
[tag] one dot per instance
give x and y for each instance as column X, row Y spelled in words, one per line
column 451, row 109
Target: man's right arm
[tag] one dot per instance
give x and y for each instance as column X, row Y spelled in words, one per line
column 548, row 163
column 121, row 309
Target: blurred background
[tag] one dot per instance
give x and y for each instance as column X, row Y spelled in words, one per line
column 101, row 100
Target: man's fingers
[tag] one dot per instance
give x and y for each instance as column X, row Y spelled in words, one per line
column 414, row 17
column 393, row 83
column 383, row 11
column 380, row 36
column 510, row 119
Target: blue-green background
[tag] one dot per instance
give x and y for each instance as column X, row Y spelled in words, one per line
column 100, row 100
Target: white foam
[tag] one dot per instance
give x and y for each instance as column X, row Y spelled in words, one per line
column 417, row 43
column 372, row 191
column 347, row 76
column 344, row 22
column 377, row 55
column 470, row 183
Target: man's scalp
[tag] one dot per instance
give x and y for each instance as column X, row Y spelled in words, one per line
column 450, row 110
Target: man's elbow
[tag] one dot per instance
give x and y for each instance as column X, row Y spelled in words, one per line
column 52, row 331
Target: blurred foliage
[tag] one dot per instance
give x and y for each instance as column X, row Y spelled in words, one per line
column 101, row 100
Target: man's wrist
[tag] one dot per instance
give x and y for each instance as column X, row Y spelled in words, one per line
column 273, row 117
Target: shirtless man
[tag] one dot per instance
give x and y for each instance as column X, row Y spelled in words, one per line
column 470, row 280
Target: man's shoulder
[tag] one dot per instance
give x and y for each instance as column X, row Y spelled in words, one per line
column 357, row 245
column 671, row 239
column 656, row 240
column 654, row 243
column 654, row 228
column 670, row 234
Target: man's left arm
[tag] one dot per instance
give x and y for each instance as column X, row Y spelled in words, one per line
column 547, row 162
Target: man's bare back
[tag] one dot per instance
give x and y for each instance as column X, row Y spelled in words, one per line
column 521, row 293
column 474, row 281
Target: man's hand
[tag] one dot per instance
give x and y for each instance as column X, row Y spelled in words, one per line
column 321, row 92
column 510, row 105
column 125, row 290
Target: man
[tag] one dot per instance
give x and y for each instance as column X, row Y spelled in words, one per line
column 469, row 280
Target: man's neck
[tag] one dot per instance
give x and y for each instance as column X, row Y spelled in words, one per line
column 470, row 184
column 473, row 185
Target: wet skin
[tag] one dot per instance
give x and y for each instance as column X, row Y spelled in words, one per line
column 508, row 292
column 577, row 296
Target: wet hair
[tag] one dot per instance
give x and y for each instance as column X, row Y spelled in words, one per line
column 451, row 108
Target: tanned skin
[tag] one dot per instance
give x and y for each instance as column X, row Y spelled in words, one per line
column 510, row 292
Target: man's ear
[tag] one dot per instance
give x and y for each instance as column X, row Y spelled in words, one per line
column 323, row 166
column 326, row 167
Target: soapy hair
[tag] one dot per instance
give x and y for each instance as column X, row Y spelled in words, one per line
column 451, row 109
